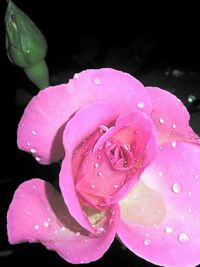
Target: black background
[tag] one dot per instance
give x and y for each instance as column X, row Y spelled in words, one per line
column 146, row 40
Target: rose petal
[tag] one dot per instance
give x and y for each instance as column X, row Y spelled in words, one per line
column 77, row 129
column 170, row 117
column 41, row 127
column 160, row 218
column 38, row 214
column 103, row 178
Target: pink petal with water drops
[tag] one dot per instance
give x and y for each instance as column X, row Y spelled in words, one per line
column 41, row 127
column 119, row 156
column 80, row 127
column 170, row 117
column 160, row 218
column 38, row 214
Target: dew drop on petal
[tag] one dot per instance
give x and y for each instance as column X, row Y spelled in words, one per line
column 147, row 242
column 176, row 188
column 161, row 120
column 38, row 159
column 76, row 76
column 78, row 233
column 96, row 79
column 33, row 132
column 100, row 230
column 28, row 143
column 168, row 230
column 92, row 186
column 183, row 238
column 33, row 150
column 99, row 173
column 28, row 212
column 46, row 224
column 174, row 126
column 173, row 144
column 140, row 104
column 96, row 165
column 37, row 227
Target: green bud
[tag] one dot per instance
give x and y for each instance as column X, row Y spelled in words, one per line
column 25, row 45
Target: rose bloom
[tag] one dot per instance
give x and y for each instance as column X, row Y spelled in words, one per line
column 130, row 168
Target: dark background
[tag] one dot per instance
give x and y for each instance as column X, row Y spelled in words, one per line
column 157, row 44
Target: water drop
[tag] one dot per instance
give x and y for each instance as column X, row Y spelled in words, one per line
column 37, row 227
column 33, row 132
column 28, row 212
column 161, row 120
column 174, row 126
column 116, row 186
column 99, row 173
column 168, row 230
column 183, row 238
column 38, row 159
column 176, row 188
column 189, row 194
column 28, row 143
column 92, row 186
column 103, row 128
column 100, row 230
column 147, row 242
column 189, row 210
column 34, row 186
column 191, row 98
column 96, row 165
column 78, row 233
column 33, row 150
column 196, row 176
column 173, row 144
column 140, row 104
column 96, row 80
column 46, row 224
column 76, row 76
column 63, row 228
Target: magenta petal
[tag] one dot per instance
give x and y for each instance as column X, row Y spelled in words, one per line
column 170, row 117
column 38, row 214
column 160, row 218
column 41, row 127
column 77, row 129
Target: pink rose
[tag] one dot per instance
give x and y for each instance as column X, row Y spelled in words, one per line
column 130, row 167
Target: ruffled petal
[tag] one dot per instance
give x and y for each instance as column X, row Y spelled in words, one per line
column 41, row 127
column 104, row 176
column 38, row 214
column 160, row 218
column 78, row 128
column 170, row 117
